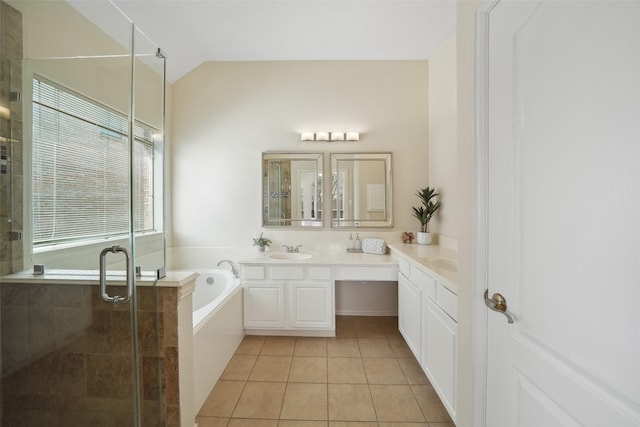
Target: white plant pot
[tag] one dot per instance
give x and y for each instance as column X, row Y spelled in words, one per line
column 423, row 238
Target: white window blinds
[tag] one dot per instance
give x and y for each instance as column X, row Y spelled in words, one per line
column 80, row 168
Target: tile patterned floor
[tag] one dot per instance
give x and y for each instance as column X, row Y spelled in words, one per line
column 364, row 377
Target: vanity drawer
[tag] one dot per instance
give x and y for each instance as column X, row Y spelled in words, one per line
column 319, row 273
column 367, row 272
column 426, row 283
column 287, row 272
column 253, row 272
column 448, row 301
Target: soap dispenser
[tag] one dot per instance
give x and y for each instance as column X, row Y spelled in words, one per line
column 358, row 245
column 350, row 245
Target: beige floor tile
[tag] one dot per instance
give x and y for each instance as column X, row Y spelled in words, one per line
column 271, row 368
column 442, row 425
column 260, row 400
column 302, row 423
column 395, row 403
column 343, row 347
column 239, row 422
column 413, row 371
column 239, row 367
column 251, row 344
column 401, row 425
column 352, row 424
column 310, row 346
column 346, row 370
column 369, row 332
column 345, row 327
column 212, row 421
column 278, row 346
column 308, row 370
column 350, row 402
column 375, row 347
column 383, row 371
column 222, row 399
column 432, row 408
column 400, row 348
column 304, row 401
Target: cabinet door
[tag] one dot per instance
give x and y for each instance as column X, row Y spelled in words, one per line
column 311, row 305
column 439, row 352
column 409, row 321
column 264, row 305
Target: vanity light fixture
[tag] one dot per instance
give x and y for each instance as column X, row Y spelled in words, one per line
column 307, row 136
column 353, row 136
column 330, row 136
column 322, row 136
column 337, row 136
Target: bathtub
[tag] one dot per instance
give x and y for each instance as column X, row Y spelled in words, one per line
column 217, row 328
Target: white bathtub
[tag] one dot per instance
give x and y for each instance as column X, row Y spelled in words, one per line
column 217, row 328
column 213, row 288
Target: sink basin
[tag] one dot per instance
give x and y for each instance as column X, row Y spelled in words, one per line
column 295, row 256
column 448, row 264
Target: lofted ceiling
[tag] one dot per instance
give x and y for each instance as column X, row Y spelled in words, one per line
column 194, row 31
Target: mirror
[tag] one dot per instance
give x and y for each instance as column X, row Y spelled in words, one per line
column 361, row 191
column 292, row 189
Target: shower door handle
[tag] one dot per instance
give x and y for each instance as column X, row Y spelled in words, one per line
column 115, row 300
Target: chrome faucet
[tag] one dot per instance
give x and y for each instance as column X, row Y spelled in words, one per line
column 291, row 249
column 234, row 269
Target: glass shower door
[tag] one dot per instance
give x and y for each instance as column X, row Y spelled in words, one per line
column 83, row 158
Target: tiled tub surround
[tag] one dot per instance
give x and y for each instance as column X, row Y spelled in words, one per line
column 67, row 355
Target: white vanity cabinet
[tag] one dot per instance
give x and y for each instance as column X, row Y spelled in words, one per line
column 427, row 321
column 288, row 299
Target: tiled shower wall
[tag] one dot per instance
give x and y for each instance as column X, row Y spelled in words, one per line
column 11, row 171
column 66, row 356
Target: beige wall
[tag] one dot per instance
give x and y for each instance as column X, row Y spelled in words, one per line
column 225, row 114
column 443, row 147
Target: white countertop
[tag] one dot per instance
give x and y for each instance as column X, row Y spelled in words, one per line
column 329, row 257
column 437, row 259
column 441, row 261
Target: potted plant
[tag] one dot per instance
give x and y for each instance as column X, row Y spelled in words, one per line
column 261, row 242
column 425, row 212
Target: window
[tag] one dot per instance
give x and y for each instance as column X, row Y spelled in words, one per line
column 80, row 179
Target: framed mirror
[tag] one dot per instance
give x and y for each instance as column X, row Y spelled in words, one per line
column 292, row 189
column 361, row 190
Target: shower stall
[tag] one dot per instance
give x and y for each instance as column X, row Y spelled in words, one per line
column 82, row 122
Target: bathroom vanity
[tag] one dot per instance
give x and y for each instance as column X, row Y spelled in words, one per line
column 427, row 314
column 285, row 297
column 297, row 297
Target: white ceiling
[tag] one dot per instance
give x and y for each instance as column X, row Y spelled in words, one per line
column 195, row 31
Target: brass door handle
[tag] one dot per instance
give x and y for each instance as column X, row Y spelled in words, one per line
column 497, row 303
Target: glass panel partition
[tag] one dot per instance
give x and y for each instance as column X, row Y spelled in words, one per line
column 81, row 170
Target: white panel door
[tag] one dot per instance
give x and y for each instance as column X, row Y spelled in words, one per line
column 563, row 213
